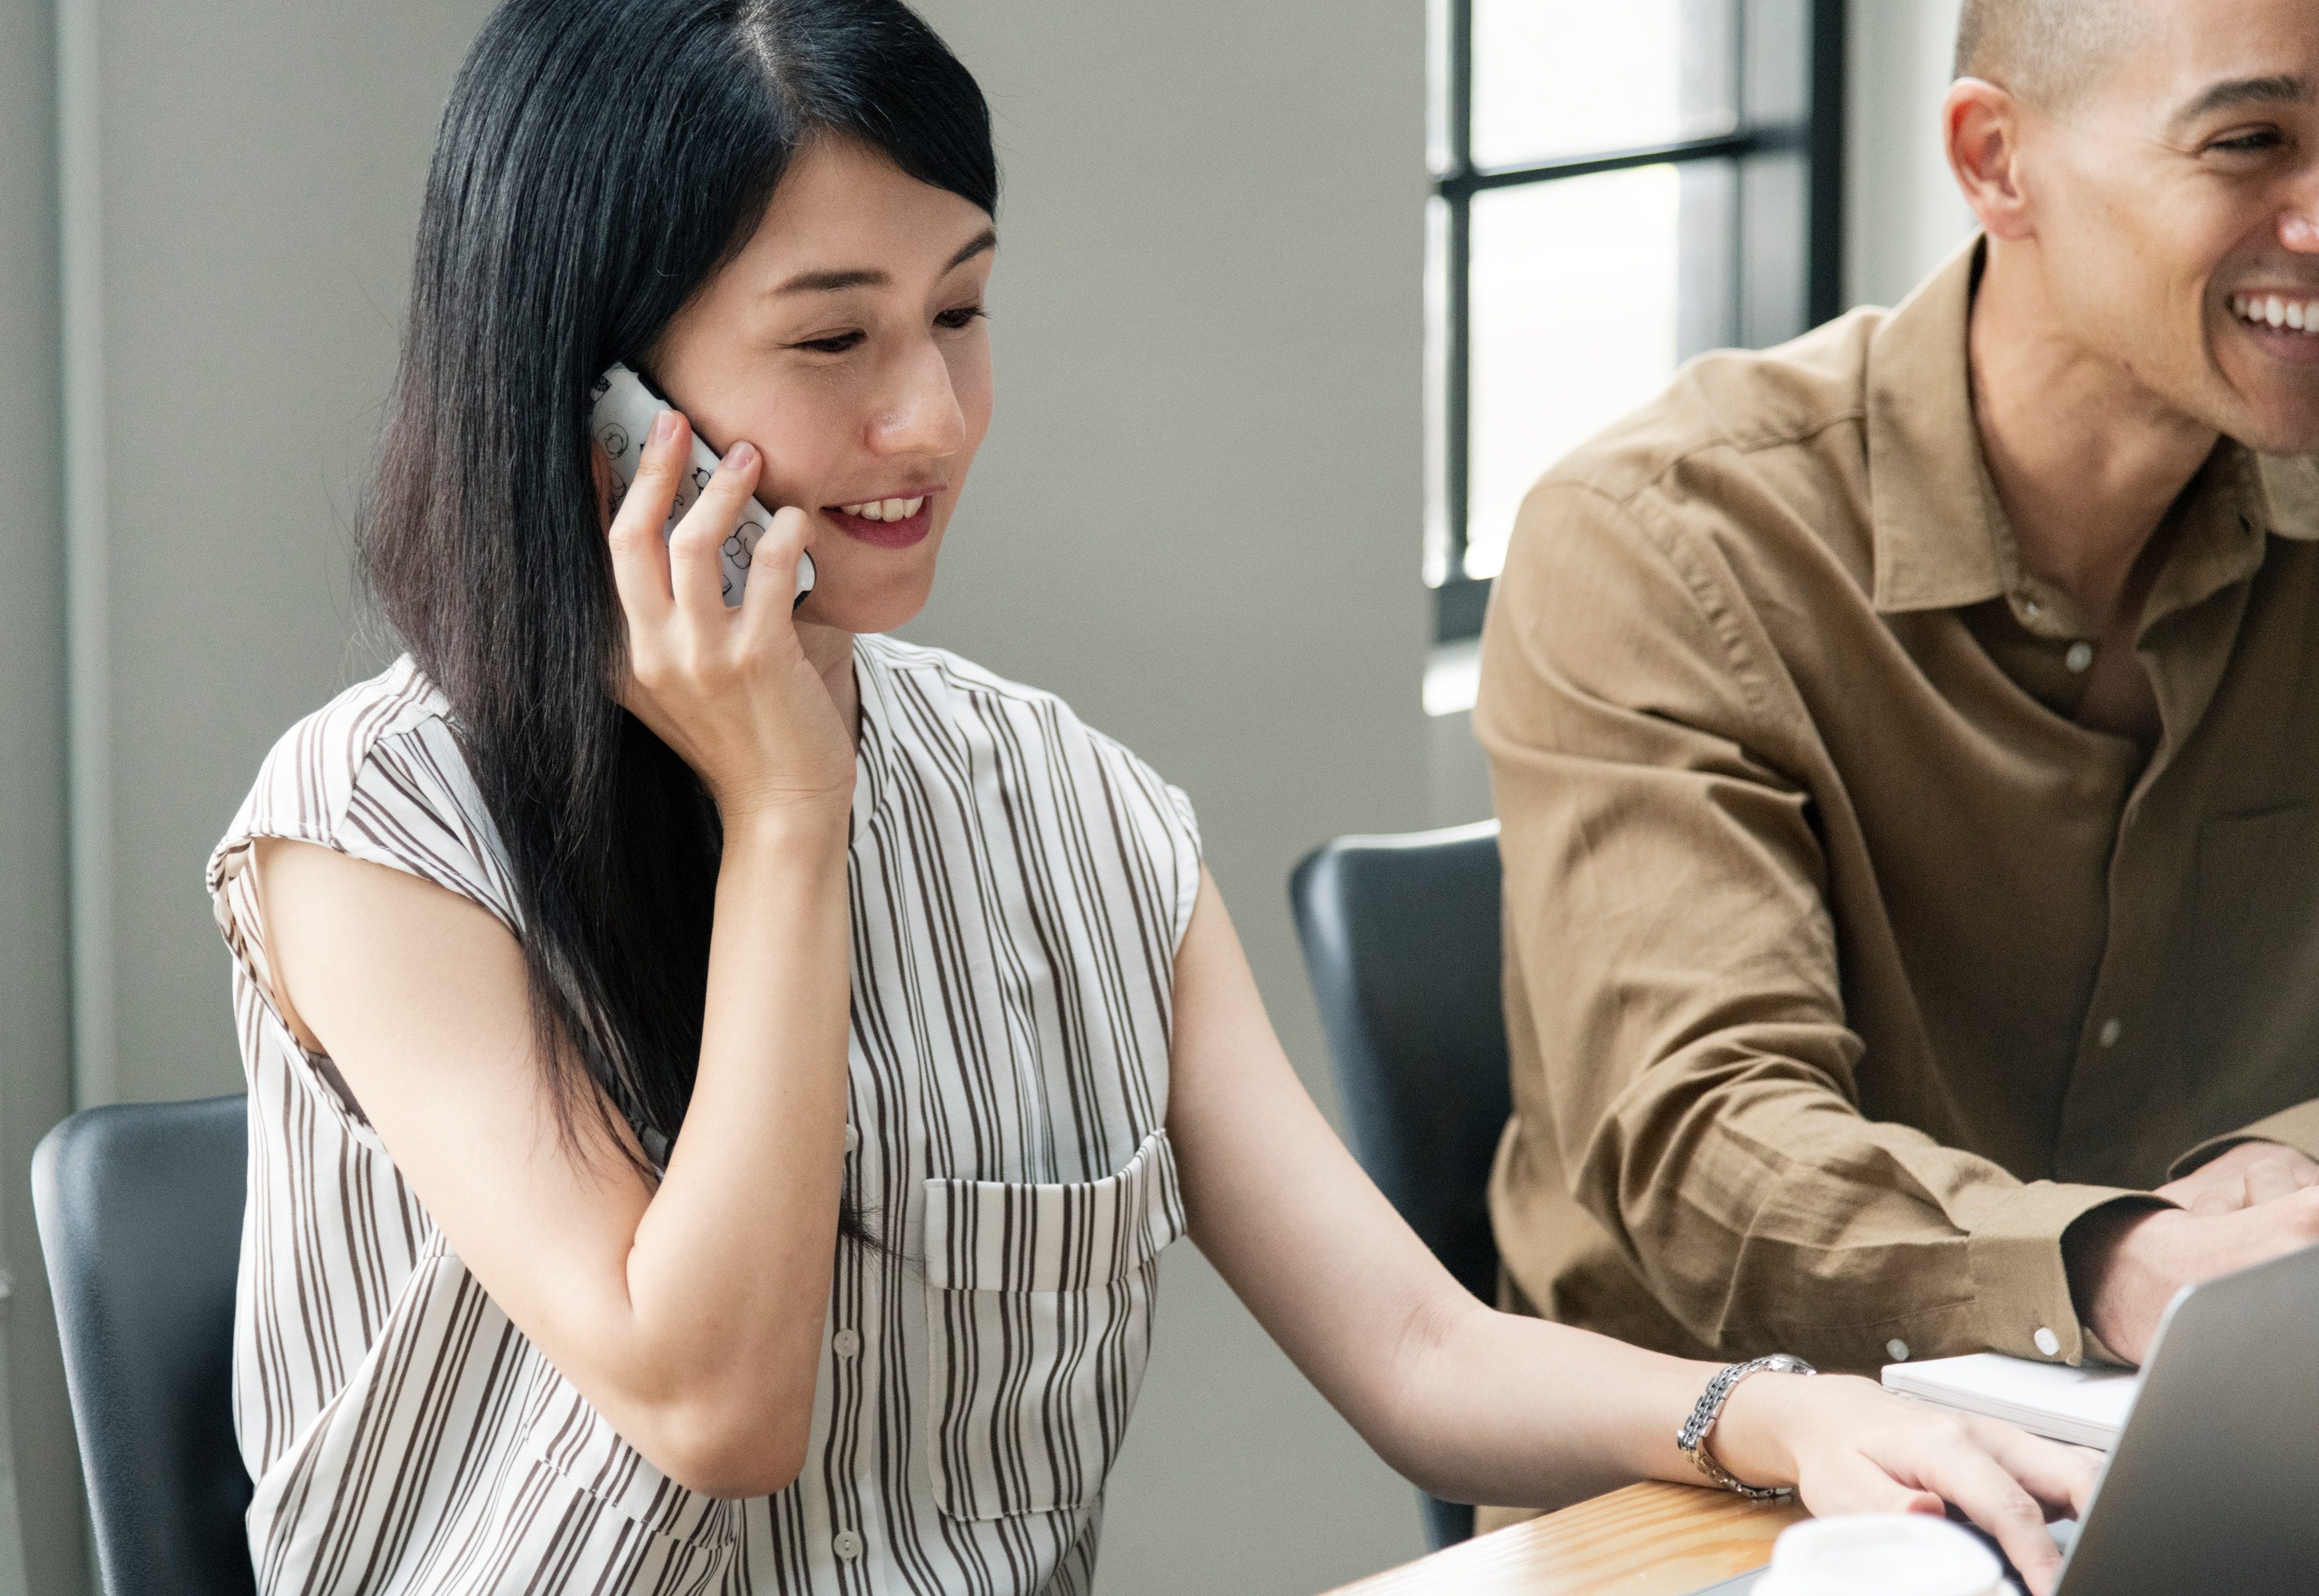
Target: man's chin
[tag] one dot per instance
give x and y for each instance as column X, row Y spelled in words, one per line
column 2271, row 410
column 2282, row 431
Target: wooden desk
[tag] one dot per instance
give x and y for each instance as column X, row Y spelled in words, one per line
column 1647, row 1540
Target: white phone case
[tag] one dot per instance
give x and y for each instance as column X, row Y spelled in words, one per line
column 622, row 420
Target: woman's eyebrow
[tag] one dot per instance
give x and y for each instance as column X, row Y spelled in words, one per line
column 986, row 239
column 833, row 282
column 836, row 282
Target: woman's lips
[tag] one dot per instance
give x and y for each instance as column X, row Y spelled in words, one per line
column 901, row 533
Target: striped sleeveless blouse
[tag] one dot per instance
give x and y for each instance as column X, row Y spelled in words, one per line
column 1019, row 884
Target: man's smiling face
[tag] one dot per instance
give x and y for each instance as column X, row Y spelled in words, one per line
column 2177, row 210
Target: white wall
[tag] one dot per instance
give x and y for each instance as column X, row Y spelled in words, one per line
column 1902, row 213
column 1902, row 217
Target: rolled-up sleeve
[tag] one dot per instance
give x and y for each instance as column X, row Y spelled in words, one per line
column 1668, row 919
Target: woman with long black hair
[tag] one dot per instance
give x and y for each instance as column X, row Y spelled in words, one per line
column 721, row 1078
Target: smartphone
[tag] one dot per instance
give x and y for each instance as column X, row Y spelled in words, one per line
column 622, row 419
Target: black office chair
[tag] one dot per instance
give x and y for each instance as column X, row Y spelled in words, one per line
column 1401, row 940
column 139, row 1210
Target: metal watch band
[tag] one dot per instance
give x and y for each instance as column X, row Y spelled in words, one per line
column 1692, row 1436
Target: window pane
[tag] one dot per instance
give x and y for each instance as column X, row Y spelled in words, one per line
column 1576, row 312
column 1561, row 77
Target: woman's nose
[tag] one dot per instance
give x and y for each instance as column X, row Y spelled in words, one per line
column 921, row 416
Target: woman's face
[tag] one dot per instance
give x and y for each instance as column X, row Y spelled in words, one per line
column 846, row 341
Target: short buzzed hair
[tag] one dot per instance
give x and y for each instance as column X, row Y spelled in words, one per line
column 2049, row 52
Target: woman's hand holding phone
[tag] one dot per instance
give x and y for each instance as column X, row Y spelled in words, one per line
column 730, row 690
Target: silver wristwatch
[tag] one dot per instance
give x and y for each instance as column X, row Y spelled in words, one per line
column 1692, row 1436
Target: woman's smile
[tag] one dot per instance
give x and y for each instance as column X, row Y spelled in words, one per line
column 898, row 522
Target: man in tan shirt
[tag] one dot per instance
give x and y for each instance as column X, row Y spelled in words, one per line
column 1908, row 746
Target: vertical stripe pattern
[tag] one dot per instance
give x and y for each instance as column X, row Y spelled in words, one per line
column 1018, row 886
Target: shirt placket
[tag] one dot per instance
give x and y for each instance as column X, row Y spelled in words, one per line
column 2124, row 1036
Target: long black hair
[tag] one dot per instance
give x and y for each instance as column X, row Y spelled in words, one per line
column 599, row 161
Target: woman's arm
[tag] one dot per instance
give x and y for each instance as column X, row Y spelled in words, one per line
column 1479, row 1406
column 689, row 1314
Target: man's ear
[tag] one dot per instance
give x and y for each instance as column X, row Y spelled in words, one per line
column 1980, row 128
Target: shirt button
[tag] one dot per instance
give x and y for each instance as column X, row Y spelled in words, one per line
column 852, row 1138
column 1898, row 1349
column 2080, row 658
column 2110, row 1032
column 846, row 1342
column 2047, row 1342
column 2031, row 607
column 846, row 1545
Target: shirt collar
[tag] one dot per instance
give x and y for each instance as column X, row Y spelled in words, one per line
column 1940, row 537
column 874, row 748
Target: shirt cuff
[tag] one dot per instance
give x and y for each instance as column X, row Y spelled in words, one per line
column 2014, row 1254
column 2296, row 1127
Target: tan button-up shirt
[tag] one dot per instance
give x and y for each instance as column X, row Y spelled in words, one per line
column 1844, row 968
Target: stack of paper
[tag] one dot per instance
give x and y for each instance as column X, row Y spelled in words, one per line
column 2085, row 1406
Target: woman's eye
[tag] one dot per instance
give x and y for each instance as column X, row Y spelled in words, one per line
column 836, row 345
column 963, row 317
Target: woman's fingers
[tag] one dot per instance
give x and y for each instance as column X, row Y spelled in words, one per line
column 1858, row 1449
column 696, row 550
column 639, row 555
column 766, row 602
column 2062, row 1477
column 1956, row 1461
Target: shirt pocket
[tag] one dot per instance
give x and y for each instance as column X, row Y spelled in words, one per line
column 2253, row 963
column 1039, row 1319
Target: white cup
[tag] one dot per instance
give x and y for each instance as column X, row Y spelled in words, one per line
column 1881, row 1555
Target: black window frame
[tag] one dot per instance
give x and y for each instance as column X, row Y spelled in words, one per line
column 1458, row 599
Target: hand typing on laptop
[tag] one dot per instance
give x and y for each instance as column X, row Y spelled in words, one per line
column 2248, row 1175
column 2255, row 1201
column 1851, row 1449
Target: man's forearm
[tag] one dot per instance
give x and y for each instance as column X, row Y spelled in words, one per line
column 2127, row 1260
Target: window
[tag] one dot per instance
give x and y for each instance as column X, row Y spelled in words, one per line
column 1616, row 188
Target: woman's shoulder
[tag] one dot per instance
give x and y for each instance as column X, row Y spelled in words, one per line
column 891, row 657
column 969, row 692
column 934, row 694
column 376, row 774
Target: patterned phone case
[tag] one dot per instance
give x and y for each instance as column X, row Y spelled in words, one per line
column 621, row 421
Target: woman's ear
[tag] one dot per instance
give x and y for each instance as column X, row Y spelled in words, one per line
column 1982, row 124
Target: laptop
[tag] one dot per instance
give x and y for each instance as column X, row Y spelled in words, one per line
column 2214, row 1483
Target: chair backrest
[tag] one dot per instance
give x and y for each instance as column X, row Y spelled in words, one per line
column 139, row 1210
column 1401, row 939
column 1401, row 942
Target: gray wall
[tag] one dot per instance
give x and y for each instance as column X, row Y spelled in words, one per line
column 232, row 321
column 34, row 1089
column 237, row 186
column 1197, row 518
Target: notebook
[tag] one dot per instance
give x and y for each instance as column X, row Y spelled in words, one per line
column 2084, row 1406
